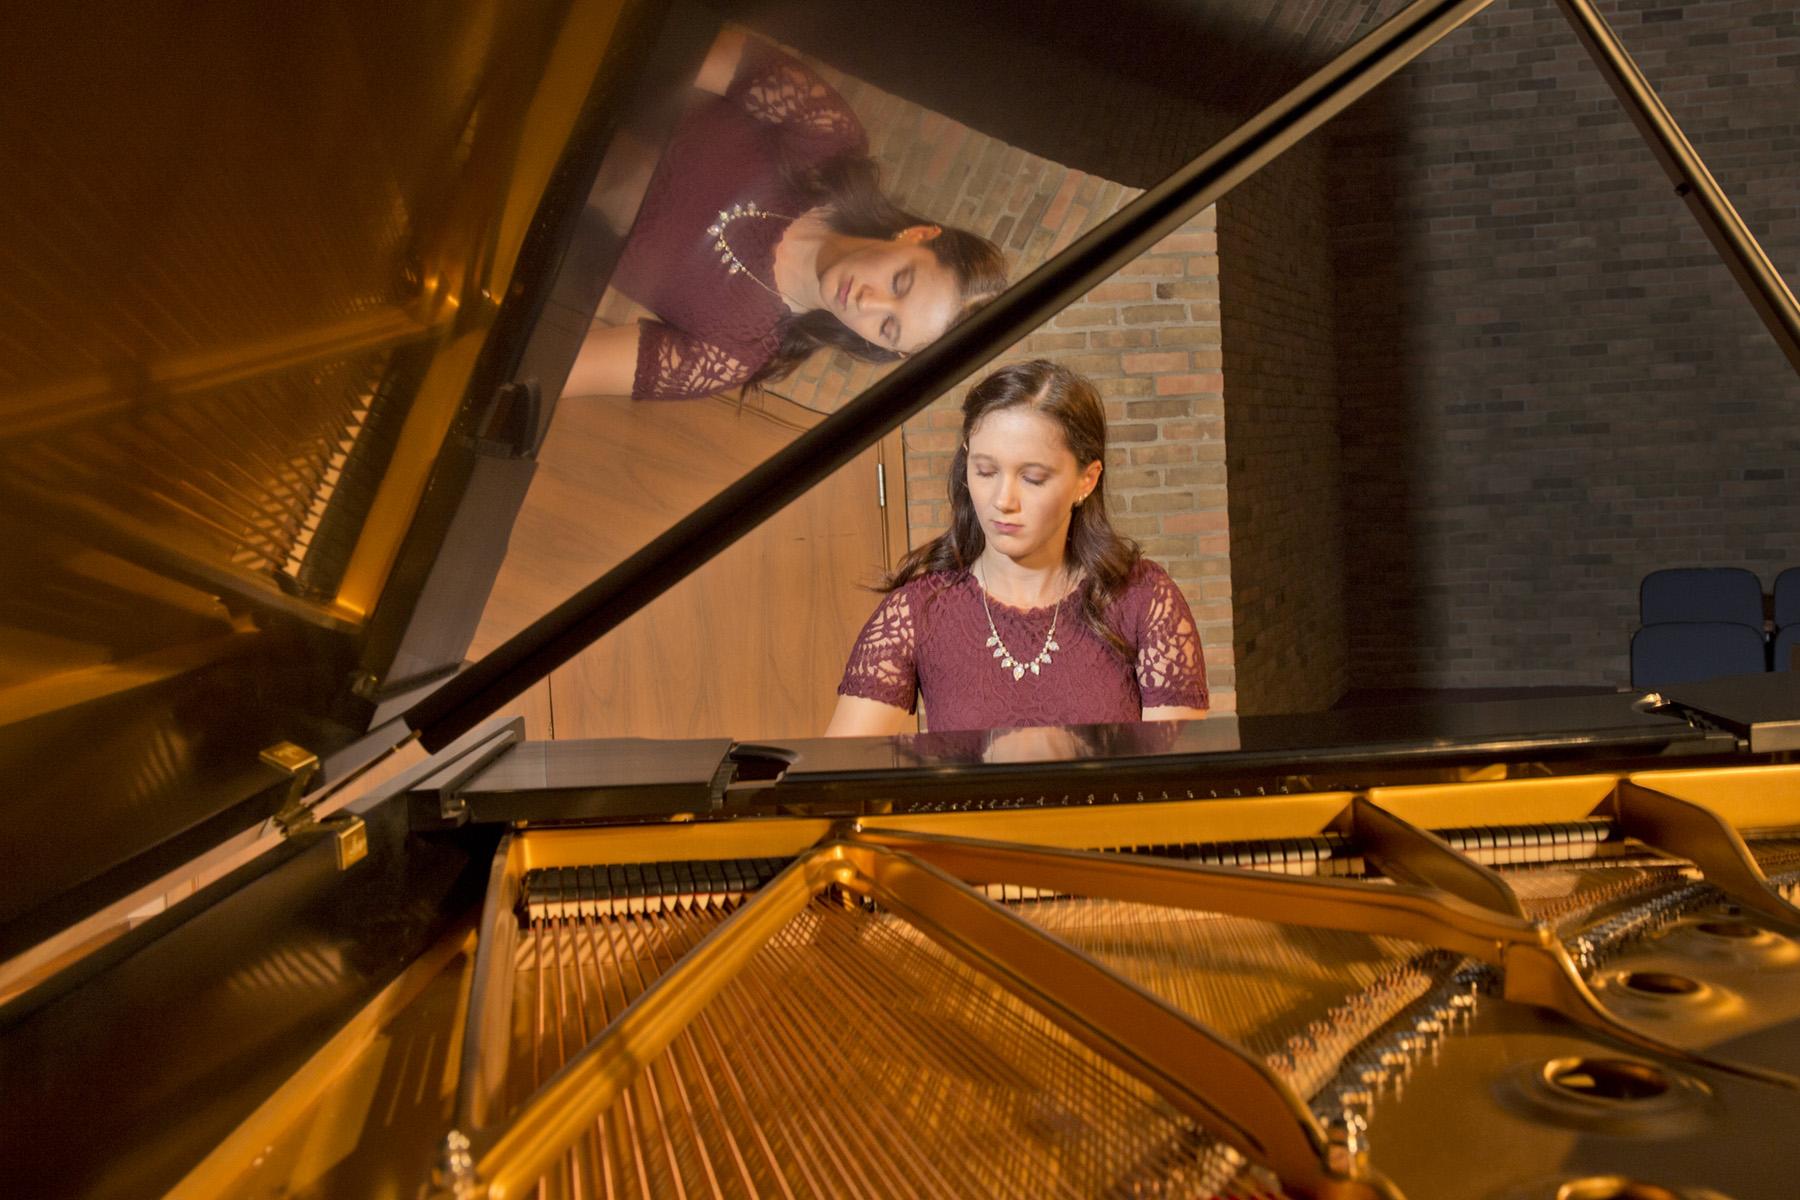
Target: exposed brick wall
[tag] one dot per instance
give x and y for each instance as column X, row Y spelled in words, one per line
column 1281, row 431
column 1550, row 384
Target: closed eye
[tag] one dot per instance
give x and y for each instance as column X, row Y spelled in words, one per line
column 890, row 331
column 903, row 280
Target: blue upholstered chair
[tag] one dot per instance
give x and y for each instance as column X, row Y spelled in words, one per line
column 1701, row 594
column 1785, row 655
column 1787, row 598
column 1687, row 651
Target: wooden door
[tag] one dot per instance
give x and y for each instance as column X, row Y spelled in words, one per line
column 752, row 644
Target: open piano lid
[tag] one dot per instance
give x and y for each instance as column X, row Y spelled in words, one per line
column 264, row 411
column 271, row 281
column 270, row 278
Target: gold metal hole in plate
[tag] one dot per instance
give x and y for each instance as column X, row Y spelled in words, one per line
column 1661, row 983
column 1617, row 1080
column 1618, row 1187
column 1715, row 937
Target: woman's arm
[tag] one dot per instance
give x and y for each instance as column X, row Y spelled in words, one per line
column 607, row 363
column 676, row 366
column 1172, row 712
column 881, row 676
column 775, row 88
column 856, row 716
column 721, row 64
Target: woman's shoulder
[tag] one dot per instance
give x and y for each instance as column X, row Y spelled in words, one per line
column 907, row 610
column 1147, row 572
column 775, row 88
column 1147, row 589
column 925, row 594
column 1146, row 578
column 928, row 587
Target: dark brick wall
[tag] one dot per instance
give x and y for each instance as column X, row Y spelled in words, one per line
column 1281, row 437
column 1549, row 383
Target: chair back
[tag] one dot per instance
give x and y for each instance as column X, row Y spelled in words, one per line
column 1787, row 598
column 1689, row 651
column 1701, row 594
column 1785, row 655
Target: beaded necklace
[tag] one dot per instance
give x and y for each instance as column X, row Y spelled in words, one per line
column 1008, row 661
column 733, row 264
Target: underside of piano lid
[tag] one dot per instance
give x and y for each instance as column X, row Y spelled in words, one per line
column 275, row 283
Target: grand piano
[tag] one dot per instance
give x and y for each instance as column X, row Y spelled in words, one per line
column 295, row 907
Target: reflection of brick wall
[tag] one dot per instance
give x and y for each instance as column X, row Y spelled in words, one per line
column 1552, row 385
column 1148, row 337
column 1287, row 564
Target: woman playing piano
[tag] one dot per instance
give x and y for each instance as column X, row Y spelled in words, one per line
column 763, row 237
column 1031, row 610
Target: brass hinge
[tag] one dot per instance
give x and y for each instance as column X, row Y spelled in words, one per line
column 350, row 836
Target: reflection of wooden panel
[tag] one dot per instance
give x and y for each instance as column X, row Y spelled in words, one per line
column 534, row 706
column 613, row 474
column 749, row 646
column 752, row 644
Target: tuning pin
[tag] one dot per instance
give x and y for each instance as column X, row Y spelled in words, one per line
column 1347, row 1143
column 1399, row 1067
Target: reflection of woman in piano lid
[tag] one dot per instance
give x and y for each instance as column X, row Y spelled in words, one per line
column 1031, row 610
column 763, row 237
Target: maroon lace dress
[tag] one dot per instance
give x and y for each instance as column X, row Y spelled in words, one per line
column 930, row 636
column 715, row 328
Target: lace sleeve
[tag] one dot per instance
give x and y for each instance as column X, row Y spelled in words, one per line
column 884, row 662
column 778, row 89
column 1171, row 668
column 673, row 366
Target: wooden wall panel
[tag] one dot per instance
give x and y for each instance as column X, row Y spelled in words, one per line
column 751, row 645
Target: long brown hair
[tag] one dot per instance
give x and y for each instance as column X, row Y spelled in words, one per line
column 1105, row 558
column 848, row 187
